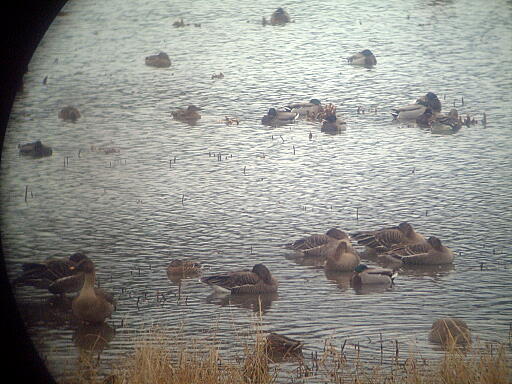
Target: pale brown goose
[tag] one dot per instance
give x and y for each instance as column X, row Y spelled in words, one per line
column 180, row 267
column 383, row 240
column 343, row 259
column 92, row 305
column 317, row 239
column 436, row 254
column 279, row 347
column 259, row 280
column 450, row 331
column 69, row 113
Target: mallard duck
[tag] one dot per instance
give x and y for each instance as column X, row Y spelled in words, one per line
column 279, row 17
column 259, row 280
column 412, row 111
column 450, row 331
column 343, row 259
column 447, row 124
column 280, row 347
column 35, row 149
column 275, row 117
column 179, row 23
column 365, row 275
column 183, row 267
column 69, row 113
column 383, row 240
column 189, row 115
column 53, row 274
column 437, row 254
column 313, row 107
column 365, row 57
column 426, row 118
column 333, row 124
column 161, row 60
column 315, row 240
column 92, row 305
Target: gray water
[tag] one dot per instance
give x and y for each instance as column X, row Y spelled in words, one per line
column 166, row 195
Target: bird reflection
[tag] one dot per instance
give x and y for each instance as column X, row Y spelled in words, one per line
column 93, row 338
column 256, row 303
column 434, row 271
column 299, row 259
column 54, row 312
column 341, row 279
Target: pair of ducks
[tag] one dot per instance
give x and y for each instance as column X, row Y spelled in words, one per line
column 289, row 113
column 69, row 113
column 189, row 115
column 35, row 149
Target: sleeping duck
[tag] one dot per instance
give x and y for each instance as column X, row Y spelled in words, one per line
column 426, row 118
column 450, row 331
column 333, row 124
column 161, row 60
column 275, row 117
column 35, row 149
column 435, row 254
column 382, row 240
column 343, row 259
column 279, row 17
column 183, row 268
column 447, row 123
column 259, row 280
column 365, row 275
column 366, row 58
column 189, row 115
column 412, row 111
column 69, row 113
column 316, row 240
column 313, row 107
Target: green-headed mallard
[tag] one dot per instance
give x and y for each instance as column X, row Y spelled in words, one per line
column 259, row 280
column 160, row 60
column 275, row 117
column 35, row 149
column 343, row 258
column 92, row 305
column 333, row 124
column 450, row 331
column 313, row 107
column 189, row 115
column 317, row 239
column 412, row 111
column 365, row 57
column 183, row 268
column 382, row 240
column 365, row 275
column 69, row 113
column 447, row 123
column 437, row 254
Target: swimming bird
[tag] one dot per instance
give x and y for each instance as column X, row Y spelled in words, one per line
column 426, row 118
column 189, row 115
column 447, row 123
column 437, row 254
column 280, row 347
column 333, row 124
column 259, row 280
column 69, row 113
column 317, row 239
column 180, row 267
column 412, row 111
column 275, row 117
column 35, row 149
column 365, row 57
column 450, row 331
column 279, row 17
column 343, row 259
column 311, row 108
column 53, row 274
column 365, row 275
column 383, row 240
column 92, row 305
column 161, row 60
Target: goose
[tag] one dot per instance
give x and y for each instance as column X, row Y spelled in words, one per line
column 365, row 57
column 447, row 124
column 412, row 111
column 161, row 60
column 383, row 240
column 259, row 280
column 281, row 347
column 437, row 254
column 69, row 113
column 365, row 275
column 189, row 115
column 275, row 117
column 313, row 107
column 450, row 331
column 279, row 17
column 343, row 259
column 315, row 240
column 183, row 267
column 35, row 149
column 92, row 305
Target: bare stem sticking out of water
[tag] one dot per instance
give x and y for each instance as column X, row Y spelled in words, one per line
column 26, row 192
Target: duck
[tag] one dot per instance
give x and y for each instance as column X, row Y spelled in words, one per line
column 179, row 23
column 365, row 57
column 280, row 347
column 383, row 240
column 396, row 252
column 92, row 305
column 450, row 331
column 447, row 123
column 343, row 259
column 161, row 60
column 279, row 17
column 412, row 111
column 53, row 274
column 257, row 281
column 333, row 124
column 426, row 118
column 69, row 113
column 189, row 115
column 275, row 117
column 35, row 149
column 315, row 240
column 364, row 275
column 436, row 254
column 309, row 108
column 180, row 267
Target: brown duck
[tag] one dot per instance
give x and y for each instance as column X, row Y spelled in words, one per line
column 259, row 280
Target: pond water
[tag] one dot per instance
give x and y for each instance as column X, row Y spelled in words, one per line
column 231, row 196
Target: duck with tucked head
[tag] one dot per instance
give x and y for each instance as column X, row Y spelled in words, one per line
column 343, row 259
column 276, row 118
column 181, row 268
column 279, row 17
column 189, row 115
column 365, row 275
column 35, row 149
column 365, row 58
column 92, row 305
column 310, row 108
column 160, row 61
column 316, row 240
column 412, row 111
column 279, row 347
column 426, row 118
column 382, row 240
column 436, row 254
column 447, row 124
column 449, row 331
column 257, row 281
column 69, row 113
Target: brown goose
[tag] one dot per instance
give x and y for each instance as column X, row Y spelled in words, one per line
column 69, row 113
column 259, row 280
column 92, row 305
column 280, row 347
column 435, row 254
column 450, row 331
column 343, row 259
column 183, row 268
column 317, row 239
column 383, row 240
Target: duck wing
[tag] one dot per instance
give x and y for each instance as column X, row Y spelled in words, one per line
column 309, row 242
column 382, row 239
column 230, row 280
column 68, row 284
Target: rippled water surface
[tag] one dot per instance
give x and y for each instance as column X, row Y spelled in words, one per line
column 230, row 196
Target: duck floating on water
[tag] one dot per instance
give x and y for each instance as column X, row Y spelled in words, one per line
column 365, row 58
column 316, row 240
column 382, row 240
column 276, row 118
column 311, row 108
column 435, row 254
column 279, row 17
column 183, row 268
column 450, row 331
column 160, row 60
column 69, row 113
column 189, row 115
column 35, row 149
column 412, row 111
column 279, row 347
column 331, row 122
column 365, row 275
column 343, row 259
column 258, row 280
column 447, row 124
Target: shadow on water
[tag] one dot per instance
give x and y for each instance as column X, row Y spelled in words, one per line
column 256, row 303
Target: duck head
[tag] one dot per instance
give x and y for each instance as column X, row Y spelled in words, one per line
column 272, row 112
column 435, row 242
column 86, row 265
column 453, row 114
column 262, row 272
column 315, row 101
column 405, row 227
column 336, row 234
column 367, row 53
column 433, row 102
column 361, row 268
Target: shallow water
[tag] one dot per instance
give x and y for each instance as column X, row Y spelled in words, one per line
column 166, row 194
